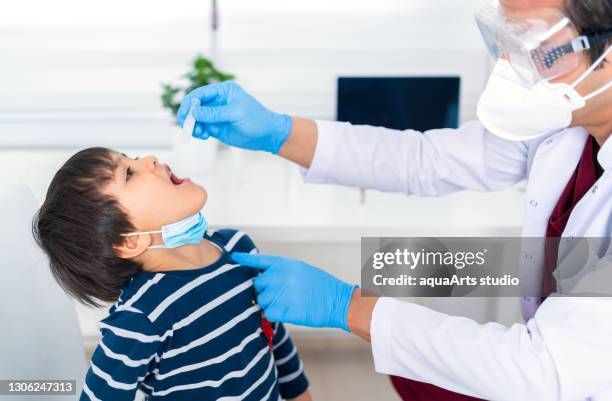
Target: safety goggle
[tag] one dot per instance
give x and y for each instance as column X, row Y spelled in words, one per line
column 540, row 47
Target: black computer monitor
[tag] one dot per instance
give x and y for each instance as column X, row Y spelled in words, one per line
column 418, row 103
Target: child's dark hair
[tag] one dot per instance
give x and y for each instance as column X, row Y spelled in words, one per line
column 78, row 225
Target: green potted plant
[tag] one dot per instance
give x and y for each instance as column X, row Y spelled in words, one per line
column 203, row 72
column 196, row 156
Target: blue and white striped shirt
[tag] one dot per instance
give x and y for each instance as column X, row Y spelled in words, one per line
column 193, row 335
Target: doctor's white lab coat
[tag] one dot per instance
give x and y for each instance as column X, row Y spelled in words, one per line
column 564, row 351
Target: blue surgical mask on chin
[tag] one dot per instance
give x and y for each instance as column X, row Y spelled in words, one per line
column 190, row 230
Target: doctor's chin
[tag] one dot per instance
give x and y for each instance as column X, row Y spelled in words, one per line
column 332, row 201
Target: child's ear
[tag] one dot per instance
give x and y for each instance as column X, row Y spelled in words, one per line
column 133, row 246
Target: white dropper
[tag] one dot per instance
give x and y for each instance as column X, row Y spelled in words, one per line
column 189, row 125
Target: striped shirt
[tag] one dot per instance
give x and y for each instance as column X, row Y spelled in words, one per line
column 194, row 335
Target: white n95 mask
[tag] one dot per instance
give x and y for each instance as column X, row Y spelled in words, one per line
column 509, row 109
column 184, row 232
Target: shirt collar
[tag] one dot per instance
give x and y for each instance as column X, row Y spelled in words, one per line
column 604, row 156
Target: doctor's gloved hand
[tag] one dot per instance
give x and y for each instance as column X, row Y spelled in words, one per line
column 234, row 117
column 292, row 291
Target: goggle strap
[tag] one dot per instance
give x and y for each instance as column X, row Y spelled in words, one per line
column 556, row 53
column 581, row 43
column 600, row 38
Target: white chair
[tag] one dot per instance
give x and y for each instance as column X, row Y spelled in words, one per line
column 39, row 331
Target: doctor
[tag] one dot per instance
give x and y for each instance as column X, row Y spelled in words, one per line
column 545, row 116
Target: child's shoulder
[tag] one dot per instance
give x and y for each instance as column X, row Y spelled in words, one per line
column 127, row 318
column 140, row 295
column 231, row 239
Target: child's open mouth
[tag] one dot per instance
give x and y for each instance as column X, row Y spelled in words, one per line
column 174, row 179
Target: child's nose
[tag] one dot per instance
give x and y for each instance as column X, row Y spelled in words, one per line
column 151, row 162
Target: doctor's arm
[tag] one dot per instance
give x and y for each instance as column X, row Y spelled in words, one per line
column 561, row 354
column 359, row 317
column 430, row 163
column 486, row 361
column 301, row 143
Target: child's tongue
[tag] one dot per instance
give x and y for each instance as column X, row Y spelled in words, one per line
column 175, row 180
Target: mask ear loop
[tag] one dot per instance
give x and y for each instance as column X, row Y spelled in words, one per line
column 598, row 91
column 145, row 232
column 140, row 233
column 589, row 71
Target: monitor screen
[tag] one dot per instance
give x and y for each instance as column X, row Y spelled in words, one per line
column 418, row 103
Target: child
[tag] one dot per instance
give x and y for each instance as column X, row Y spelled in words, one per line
column 184, row 324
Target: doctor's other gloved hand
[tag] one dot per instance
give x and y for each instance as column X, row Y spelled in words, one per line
column 234, row 117
column 292, row 291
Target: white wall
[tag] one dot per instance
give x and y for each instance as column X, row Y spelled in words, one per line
column 77, row 73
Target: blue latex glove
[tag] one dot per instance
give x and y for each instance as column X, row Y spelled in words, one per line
column 236, row 118
column 292, row 291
